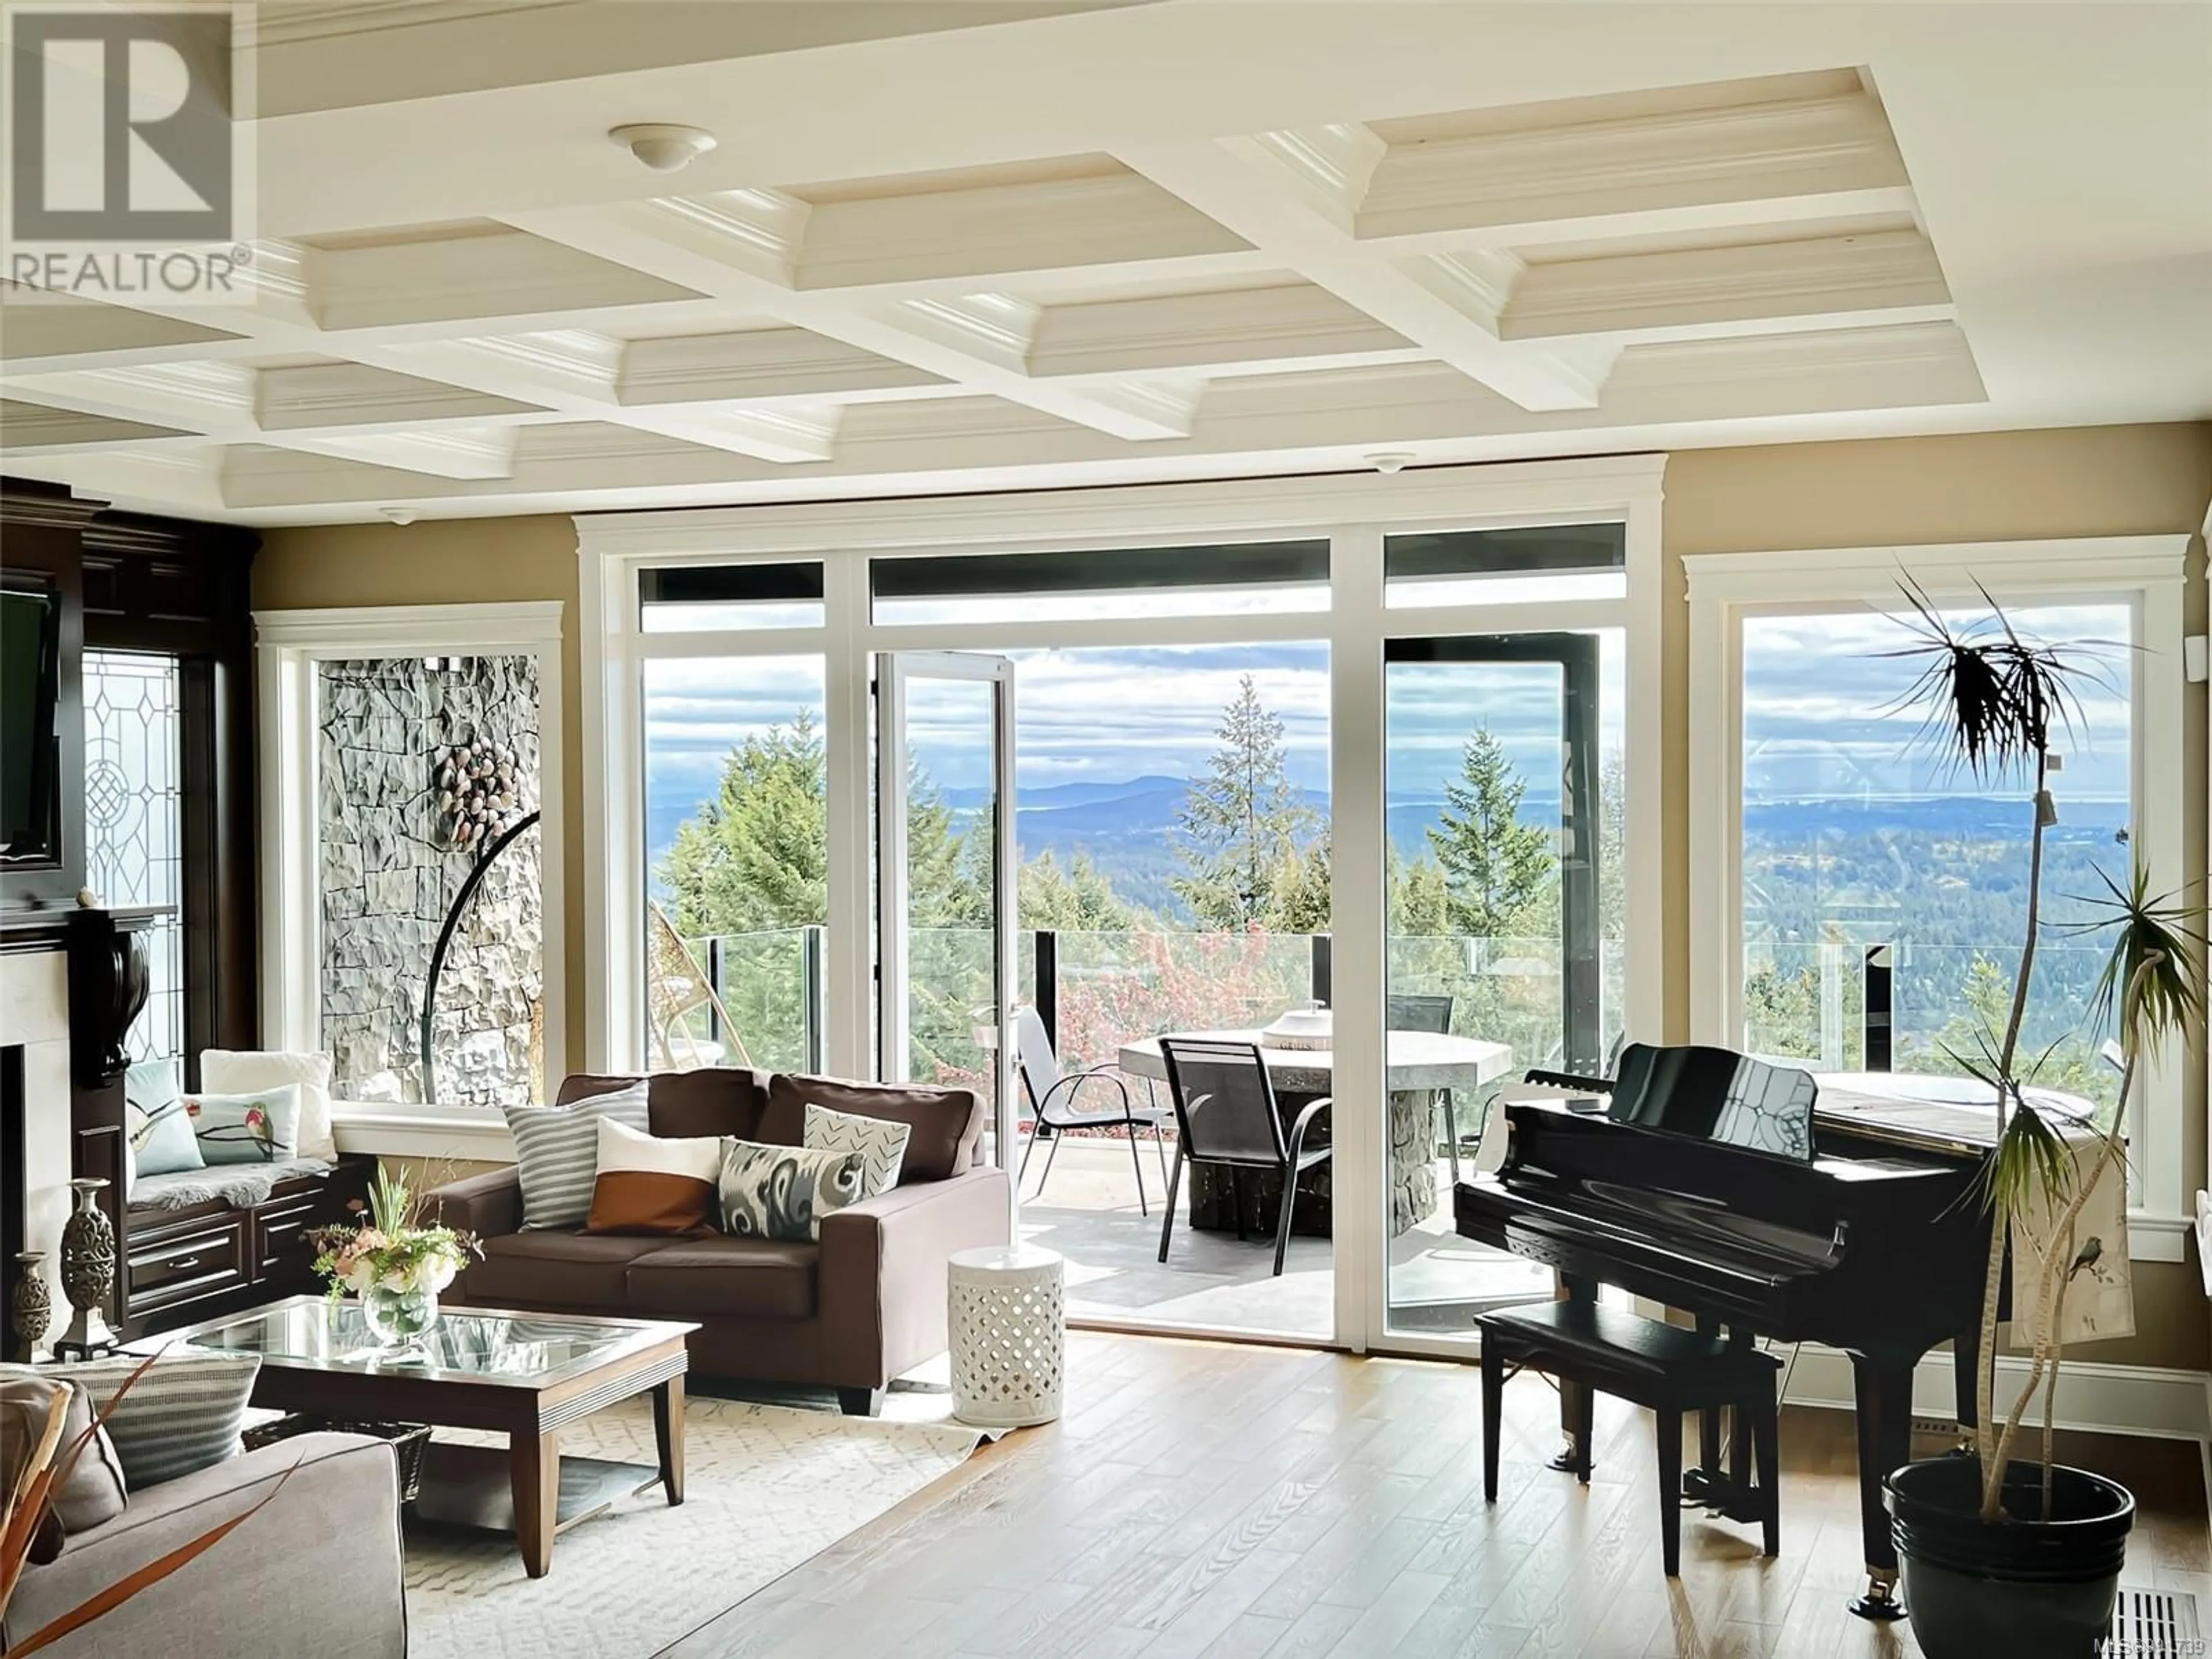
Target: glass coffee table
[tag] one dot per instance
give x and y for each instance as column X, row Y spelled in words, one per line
column 523, row 1375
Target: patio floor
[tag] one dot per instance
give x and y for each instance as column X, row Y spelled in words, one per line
column 1088, row 1213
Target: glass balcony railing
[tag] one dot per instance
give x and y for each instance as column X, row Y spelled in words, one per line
column 1107, row 989
column 1809, row 1002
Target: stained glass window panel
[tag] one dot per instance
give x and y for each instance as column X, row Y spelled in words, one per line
column 134, row 822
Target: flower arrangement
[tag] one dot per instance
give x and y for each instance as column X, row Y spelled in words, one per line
column 392, row 1250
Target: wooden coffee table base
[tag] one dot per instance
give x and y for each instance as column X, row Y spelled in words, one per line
column 533, row 1492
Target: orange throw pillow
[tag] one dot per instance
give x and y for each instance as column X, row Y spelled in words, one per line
column 646, row 1184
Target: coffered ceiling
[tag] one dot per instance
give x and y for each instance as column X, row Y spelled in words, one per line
column 1088, row 243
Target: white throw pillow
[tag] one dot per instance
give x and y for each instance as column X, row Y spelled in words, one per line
column 880, row 1143
column 241, row 1071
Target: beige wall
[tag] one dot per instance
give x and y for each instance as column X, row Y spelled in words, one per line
column 2101, row 481
column 2105, row 481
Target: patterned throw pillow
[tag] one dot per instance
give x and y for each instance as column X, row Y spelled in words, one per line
column 557, row 1153
column 878, row 1141
column 95, row 1490
column 783, row 1192
column 260, row 1127
column 182, row 1416
column 646, row 1184
column 159, row 1134
column 237, row 1071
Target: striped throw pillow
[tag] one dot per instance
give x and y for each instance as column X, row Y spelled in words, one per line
column 879, row 1141
column 557, row 1153
column 182, row 1416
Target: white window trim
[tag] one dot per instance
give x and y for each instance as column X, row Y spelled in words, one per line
column 287, row 645
column 2147, row 571
column 1353, row 510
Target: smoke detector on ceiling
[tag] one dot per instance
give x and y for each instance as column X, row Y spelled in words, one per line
column 661, row 145
column 401, row 515
column 1391, row 461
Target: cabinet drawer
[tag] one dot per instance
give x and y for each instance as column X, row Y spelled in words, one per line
column 186, row 1264
column 280, row 1234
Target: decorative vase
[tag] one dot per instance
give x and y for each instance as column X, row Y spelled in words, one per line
column 398, row 1318
column 31, row 1309
column 2037, row 1589
column 87, row 1270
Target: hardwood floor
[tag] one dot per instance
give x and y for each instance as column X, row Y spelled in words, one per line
column 1202, row 1499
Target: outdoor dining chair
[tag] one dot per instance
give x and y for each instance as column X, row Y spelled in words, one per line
column 1050, row 1094
column 1226, row 1113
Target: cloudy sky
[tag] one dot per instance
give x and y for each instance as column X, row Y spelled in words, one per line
column 1819, row 714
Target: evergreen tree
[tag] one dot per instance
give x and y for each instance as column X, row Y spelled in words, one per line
column 755, row 855
column 1074, row 898
column 1240, row 821
column 1298, row 888
column 1496, row 867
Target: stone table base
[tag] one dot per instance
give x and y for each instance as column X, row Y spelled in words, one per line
column 1215, row 1201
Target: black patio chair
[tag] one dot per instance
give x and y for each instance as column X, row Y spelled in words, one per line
column 1226, row 1113
column 1051, row 1096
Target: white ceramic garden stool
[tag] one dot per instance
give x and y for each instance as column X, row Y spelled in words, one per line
column 1009, row 1335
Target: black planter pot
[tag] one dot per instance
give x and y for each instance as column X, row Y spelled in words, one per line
column 2028, row 1589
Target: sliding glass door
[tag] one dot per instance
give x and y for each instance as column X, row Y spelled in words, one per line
column 1502, row 955
column 944, row 872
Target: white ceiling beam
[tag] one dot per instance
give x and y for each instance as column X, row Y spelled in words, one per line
column 1335, row 417
column 569, row 372
column 1296, row 196
column 715, row 249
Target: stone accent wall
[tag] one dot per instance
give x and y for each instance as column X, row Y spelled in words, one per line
column 390, row 871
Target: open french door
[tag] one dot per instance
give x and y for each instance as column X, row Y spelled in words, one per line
column 944, row 875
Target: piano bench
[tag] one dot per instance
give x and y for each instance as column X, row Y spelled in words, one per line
column 1663, row 1368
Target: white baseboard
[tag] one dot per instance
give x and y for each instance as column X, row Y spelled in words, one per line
column 2152, row 1401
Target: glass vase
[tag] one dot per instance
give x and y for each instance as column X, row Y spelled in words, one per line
column 398, row 1319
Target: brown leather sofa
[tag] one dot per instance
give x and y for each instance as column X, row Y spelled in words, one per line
column 849, row 1313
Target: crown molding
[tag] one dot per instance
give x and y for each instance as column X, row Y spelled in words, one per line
column 1866, row 272
column 1825, row 145
column 754, row 364
column 1603, row 487
column 529, row 622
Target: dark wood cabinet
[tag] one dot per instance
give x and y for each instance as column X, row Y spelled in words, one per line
column 128, row 582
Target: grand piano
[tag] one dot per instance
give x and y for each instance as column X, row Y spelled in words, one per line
column 1752, row 1197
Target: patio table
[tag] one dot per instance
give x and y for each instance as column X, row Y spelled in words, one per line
column 1419, row 1062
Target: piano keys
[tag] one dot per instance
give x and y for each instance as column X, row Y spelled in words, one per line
column 1742, row 1194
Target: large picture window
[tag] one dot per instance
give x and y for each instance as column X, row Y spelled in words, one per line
column 412, row 766
column 903, row 789
column 1859, row 902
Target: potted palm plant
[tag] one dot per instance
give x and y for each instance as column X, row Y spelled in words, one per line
column 2000, row 1553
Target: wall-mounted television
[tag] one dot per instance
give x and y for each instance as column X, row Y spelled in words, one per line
column 30, row 740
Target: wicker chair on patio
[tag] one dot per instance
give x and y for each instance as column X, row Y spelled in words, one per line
column 1050, row 1095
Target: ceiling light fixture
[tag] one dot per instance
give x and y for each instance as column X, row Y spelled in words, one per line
column 1391, row 461
column 402, row 515
column 662, row 146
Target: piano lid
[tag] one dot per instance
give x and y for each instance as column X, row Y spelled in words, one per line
column 1922, row 1110
column 1716, row 1094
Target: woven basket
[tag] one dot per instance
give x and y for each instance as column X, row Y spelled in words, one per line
column 409, row 1440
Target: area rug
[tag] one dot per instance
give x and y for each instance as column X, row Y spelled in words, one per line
column 765, row 1487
